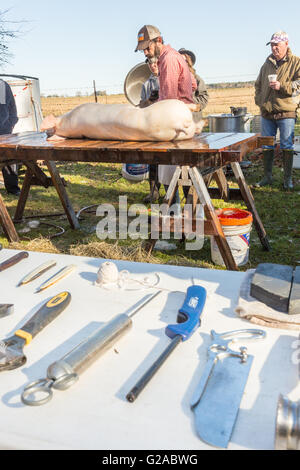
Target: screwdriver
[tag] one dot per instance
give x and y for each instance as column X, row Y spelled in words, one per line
column 188, row 319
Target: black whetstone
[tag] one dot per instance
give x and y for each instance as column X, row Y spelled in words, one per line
column 294, row 305
column 271, row 284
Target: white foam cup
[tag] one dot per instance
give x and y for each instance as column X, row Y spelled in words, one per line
column 272, row 78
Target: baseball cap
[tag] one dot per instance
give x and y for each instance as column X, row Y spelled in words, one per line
column 279, row 36
column 145, row 35
column 190, row 53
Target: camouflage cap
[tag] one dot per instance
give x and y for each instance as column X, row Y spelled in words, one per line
column 279, row 36
column 146, row 34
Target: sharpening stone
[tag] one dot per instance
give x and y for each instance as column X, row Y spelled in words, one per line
column 294, row 305
column 271, row 284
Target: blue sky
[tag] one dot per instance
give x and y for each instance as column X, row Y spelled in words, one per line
column 68, row 44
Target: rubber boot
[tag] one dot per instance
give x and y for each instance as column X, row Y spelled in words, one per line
column 268, row 167
column 288, row 157
column 154, row 185
column 10, row 176
column 154, row 193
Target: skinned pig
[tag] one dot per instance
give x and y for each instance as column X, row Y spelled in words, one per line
column 165, row 120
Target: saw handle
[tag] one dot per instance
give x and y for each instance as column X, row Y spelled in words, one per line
column 47, row 312
column 189, row 314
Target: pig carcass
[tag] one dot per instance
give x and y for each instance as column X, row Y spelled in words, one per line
column 163, row 121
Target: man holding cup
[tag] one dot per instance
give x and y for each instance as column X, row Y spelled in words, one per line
column 277, row 92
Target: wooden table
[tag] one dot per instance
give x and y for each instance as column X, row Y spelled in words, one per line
column 205, row 154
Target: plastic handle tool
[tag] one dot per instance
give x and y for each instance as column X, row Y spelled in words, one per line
column 189, row 314
column 189, row 318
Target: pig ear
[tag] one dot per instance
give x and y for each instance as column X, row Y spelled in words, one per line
column 49, row 122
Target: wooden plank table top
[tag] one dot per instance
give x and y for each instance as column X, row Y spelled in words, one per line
column 206, row 151
column 201, row 149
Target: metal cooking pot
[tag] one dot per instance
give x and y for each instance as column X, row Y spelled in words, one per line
column 229, row 123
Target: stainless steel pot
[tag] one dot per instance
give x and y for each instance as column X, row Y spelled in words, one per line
column 229, row 123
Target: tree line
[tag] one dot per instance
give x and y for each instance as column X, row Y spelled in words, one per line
column 231, row 84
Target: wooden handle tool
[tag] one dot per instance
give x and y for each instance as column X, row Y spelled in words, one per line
column 13, row 260
column 57, row 277
column 37, row 272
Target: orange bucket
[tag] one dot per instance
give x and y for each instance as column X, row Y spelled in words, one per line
column 233, row 216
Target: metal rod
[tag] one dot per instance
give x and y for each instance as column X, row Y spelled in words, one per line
column 141, row 384
column 145, row 302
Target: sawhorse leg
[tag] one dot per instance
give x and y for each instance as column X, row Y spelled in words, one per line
column 204, row 198
column 249, row 201
column 201, row 193
column 23, row 196
column 34, row 172
column 222, row 184
column 7, row 224
column 62, row 193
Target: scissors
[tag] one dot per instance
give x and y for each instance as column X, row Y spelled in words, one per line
column 221, row 341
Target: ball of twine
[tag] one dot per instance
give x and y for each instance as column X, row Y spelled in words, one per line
column 107, row 274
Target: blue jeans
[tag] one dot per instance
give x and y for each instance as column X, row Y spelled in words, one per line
column 286, row 129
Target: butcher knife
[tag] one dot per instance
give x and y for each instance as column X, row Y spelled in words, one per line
column 217, row 398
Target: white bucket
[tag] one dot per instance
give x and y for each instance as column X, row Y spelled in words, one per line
column 135, row 172
column 238, row 239
column 26, row 91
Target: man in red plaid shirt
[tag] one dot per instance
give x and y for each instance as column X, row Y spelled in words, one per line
column 175, row 82
column 175, row 79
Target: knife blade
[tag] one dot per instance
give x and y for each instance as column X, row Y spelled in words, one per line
column 13, row 260
column 216, row 400
column 37, row 272
column 57, row 277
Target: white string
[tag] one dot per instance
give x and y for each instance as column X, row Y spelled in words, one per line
column 109, row 276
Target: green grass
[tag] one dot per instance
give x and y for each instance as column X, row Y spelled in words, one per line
column 103, row 183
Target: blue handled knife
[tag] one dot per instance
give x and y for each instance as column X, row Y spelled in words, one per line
column 189, row 320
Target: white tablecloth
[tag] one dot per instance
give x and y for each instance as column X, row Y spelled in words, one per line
column 93, row 413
